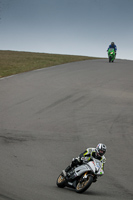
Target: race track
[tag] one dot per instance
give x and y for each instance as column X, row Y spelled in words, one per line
column 49, row 116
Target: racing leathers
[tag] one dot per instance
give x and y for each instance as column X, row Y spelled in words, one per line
column 85, row 157
column 113, row 47
column 91, row 152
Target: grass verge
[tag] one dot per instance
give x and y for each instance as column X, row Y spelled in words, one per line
column 14, row 62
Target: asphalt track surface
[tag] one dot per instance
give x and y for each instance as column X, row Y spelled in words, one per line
column 49, row 116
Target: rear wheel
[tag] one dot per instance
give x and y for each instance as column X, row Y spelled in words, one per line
column 84, row 184
column 61, row 181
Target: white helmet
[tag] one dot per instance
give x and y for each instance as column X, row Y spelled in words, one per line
column 100, row 149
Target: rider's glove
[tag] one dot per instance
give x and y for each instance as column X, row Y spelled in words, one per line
column 75, row 161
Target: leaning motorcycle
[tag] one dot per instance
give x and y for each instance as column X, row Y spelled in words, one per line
column 80, row 178
column 111, row 55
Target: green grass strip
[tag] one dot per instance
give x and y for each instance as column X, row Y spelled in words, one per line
column 14, row 62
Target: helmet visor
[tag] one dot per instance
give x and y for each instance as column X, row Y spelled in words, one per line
column 101, row 153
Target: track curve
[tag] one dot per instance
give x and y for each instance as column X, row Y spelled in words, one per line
column 49, row 116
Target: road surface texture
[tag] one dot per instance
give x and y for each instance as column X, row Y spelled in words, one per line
column 51, row 115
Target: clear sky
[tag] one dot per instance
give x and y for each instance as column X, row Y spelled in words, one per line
column 77, row 27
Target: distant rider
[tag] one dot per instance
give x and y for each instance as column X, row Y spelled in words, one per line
column 97, row 153
column 112, row 45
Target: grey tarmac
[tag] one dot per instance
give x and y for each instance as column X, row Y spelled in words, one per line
column 51, row 115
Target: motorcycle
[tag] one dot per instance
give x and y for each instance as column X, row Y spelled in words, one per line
column 81, row 177
column 111, row 55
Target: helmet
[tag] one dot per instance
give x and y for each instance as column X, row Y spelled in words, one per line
column 112, row 44
column 100, row 149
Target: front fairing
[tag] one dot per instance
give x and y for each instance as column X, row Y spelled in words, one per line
column 111, row 52
column 82, row 169
column 85, row 168
column 93, row 167
column 100, row 172
column 98, row 167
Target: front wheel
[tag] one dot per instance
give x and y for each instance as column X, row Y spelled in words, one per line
column 61, row 181
column 113, row 59
column 84, row 184
column 110, row 58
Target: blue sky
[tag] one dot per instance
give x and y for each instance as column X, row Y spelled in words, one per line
column 77, row 27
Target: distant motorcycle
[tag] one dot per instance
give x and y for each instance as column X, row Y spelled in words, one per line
column 80, row 178
column 111, row 55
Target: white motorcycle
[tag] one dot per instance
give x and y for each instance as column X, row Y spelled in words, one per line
column 80, row 178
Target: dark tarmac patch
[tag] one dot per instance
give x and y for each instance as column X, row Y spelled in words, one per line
column 12, row 139
column 8, row 136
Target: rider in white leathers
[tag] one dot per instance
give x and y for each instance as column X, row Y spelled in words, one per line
column 86, row 156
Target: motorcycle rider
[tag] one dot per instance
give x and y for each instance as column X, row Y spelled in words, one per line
column 112, row 45
column 97, row 153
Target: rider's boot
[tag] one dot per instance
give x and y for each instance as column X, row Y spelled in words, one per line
column 95, row 179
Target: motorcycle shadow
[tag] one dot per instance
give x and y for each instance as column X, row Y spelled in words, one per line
column 95, row 193
column 88, row 192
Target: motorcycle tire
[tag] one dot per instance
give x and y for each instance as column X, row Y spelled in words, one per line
column 61, row 181
column 109, row 58
column 81, row 187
